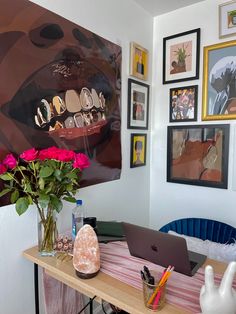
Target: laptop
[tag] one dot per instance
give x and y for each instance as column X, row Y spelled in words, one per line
column 162, row 248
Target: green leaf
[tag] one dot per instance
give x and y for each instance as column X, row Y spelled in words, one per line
column 43, row 200
column 22, row 205
column 41, row 183
column 14, row 196
column 72, row 175
column 56, row 203
column 5, row 191
column 27, row 187
column 30, row 200
column 6, row 177
column 45, row 172
column 70, row 199
column 57, row 174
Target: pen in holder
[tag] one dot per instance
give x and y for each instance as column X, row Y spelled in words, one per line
column 154, row 295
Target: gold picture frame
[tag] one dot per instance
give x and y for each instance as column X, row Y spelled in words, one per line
column 219, row 76
column 138, row 61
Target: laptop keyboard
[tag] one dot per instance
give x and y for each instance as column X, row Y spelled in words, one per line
column 192, row 265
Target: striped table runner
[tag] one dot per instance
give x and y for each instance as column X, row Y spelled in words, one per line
column 182, row 291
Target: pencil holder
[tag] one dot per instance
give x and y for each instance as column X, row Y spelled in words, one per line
column 154, row 295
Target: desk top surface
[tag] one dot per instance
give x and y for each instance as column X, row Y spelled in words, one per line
column 103, row 286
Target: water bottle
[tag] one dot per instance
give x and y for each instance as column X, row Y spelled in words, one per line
column 77, row 218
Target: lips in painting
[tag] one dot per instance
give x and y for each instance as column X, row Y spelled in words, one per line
column 64, row 95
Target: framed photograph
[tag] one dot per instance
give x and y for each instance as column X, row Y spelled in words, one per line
column 219, row 81
column 138, row 61
column 198, row 155
column 183, row 103
column 181, row 57
column 138, row 150
column 138, row 105
column 227, row 19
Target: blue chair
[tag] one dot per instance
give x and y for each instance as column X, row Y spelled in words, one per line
column 205, row 229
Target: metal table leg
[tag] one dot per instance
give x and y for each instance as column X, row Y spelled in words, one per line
column 36, row 288
column 90, row 304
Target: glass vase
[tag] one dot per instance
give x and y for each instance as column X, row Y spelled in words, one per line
column 47, row 231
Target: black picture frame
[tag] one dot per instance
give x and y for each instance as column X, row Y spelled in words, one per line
column 138, row 143
column 138, row 105
column 176, row 49
column 198, row 154
column 183, row 103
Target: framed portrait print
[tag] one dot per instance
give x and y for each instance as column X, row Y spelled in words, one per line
column 138, row 61
column 138, row 150
column 227, row 19
column 183, row 103
column 219, row 81
column 198, row 155
column 138, row 105
column 181, row 56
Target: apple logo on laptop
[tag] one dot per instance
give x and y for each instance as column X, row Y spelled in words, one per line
column 154, row 247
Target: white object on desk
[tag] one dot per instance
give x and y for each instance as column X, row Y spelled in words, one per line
column 222, row 299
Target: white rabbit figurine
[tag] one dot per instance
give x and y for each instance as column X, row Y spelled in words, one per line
column 222, row 299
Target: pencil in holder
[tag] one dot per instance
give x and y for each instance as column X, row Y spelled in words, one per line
column 154, row 295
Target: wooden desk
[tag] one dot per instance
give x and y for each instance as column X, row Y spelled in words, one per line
column 103, row 286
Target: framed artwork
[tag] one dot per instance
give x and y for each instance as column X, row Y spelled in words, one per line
column 183, row 103
column 181, row 56
column 138, row 150
column 138, row 61
column 227, row 19
column 61, row 87
column 138, row 105
column 219, row 79
column 198, row 155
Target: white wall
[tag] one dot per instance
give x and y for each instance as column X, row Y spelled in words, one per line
column 125, row 199
column 171, row 201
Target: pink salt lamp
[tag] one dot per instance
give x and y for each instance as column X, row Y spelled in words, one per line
column 86, row 254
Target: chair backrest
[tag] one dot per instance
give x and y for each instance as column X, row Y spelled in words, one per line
column 205, row 229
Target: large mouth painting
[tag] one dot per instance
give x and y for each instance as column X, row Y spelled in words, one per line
column 60, row 85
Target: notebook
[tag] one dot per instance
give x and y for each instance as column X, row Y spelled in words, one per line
column 109, row 231
column 162, row 248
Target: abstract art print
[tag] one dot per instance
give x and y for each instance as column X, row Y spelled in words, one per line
column 181, row 56
column 60, row 85
column 183, row 103
column 219, row 82
column 198, row 155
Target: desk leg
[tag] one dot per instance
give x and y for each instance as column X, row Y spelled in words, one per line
column 36, row 288
column 90, row 304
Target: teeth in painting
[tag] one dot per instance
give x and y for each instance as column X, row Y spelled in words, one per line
column 79, row 120
column 95, row 98
column 45, row 109
column 58, row 104
column 72, row 101
column 101, row 100
column 86, row 99
column 69, row 123
column 88, row 118
column 40, row 116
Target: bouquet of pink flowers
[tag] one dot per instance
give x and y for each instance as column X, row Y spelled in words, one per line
column 43, row 178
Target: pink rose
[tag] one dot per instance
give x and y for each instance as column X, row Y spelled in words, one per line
column 10, row 161
column 66, row 155
column 29, row 155
column 81, row 161
column 49, row 153
column 3, row 169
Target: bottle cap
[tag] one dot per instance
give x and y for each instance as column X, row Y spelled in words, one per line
column 79, row 202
